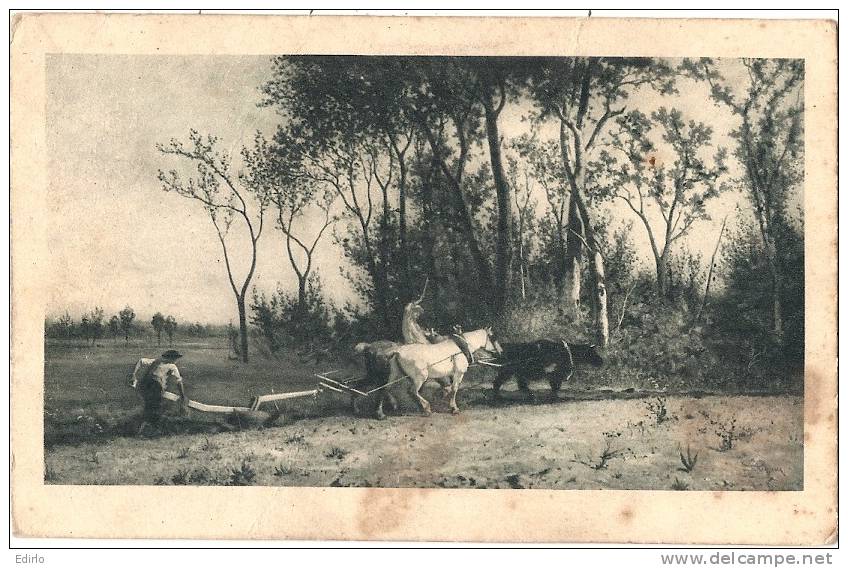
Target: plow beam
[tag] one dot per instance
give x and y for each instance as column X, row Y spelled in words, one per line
column 206, row 407
column 281, row 396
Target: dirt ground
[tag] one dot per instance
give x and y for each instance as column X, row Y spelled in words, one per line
column 578, row 442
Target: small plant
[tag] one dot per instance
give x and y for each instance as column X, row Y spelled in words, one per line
column 49, row 474
column 337, row 453
column 184, row 453
column 679, row 485
column 180, row 478
column 282, row 470
column 295, row 439
column 244, row 475
column 688, row 460
column 726, row 432
column 658, row 410
column 160, row 481
column 199, row 476
column 607, row 453
column 209, row 446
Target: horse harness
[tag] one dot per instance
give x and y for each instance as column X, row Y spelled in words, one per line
column 462, row 343
column 568, row 350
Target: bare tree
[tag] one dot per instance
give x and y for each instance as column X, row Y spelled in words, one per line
column 226, row 200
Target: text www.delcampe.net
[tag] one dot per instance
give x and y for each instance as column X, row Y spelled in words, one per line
column 747, row 559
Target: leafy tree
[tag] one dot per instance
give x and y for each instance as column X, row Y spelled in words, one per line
column 127, row 316
column 523, row 187
column 85, row 327
column 170, row 326
column 225, row 201
column 95, row 328
column 277, row 173
column 158, row 323
column 582, row 95
column 65, row 325
column 678, row 191
column 770, row 146
column 114, row 327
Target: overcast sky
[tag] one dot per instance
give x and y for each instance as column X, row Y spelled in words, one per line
column 116, row 238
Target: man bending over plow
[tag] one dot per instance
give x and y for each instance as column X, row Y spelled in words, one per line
column 150, row 378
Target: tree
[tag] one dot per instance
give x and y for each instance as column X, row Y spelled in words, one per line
column 127, row 316
column 522, row 188
column 170, row 327
column 225, row 201
column 770, row 146
column 277, row 173
column 375, row 107
column 679, row 191
column 583, row 95
column 85, row 328
column 546, row 169
column 158, row 323
column 65, row 325
column 95, row 327
column 114, row 327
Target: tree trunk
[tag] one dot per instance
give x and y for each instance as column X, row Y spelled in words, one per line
column 662, row 274
column 776, row 291
column 599, row 293
column 159, row 338
column 598, row 276
column 573, row 253
column 503, row 248
column 242, row 328
column 301, row 295
column 404, row 253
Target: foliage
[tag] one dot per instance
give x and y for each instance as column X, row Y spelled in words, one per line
column 743, row 312
column 127, row 316
column 224, row 196
column 282, row 321
column 688, row 460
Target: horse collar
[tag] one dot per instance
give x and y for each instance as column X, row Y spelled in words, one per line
column 462, row 343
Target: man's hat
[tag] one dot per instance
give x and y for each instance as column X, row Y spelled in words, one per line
column 171, row 354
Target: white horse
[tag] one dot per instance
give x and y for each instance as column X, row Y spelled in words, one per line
column 422, row 362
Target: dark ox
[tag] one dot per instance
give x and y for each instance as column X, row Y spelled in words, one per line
column 544, row 358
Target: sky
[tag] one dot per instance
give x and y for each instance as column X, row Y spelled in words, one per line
column 115, row 238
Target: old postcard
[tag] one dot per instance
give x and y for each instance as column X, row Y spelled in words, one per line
column 411, row 278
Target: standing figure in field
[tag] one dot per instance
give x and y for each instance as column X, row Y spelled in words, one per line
column 544, row 358
column 439, row 361
column 150, row 378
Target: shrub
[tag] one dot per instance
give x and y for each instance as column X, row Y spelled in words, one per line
column 280, row 319
column 244, row 475
column 337, row 453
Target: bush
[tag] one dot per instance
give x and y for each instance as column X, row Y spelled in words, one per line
column 280, row 320
column 742, row 313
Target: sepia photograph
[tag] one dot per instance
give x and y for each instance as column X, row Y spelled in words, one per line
column 560, row 273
